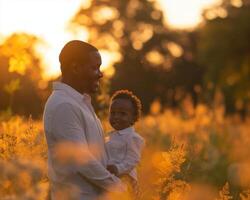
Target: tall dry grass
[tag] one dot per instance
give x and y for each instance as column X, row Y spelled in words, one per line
column 192, row 153
column 22, row 159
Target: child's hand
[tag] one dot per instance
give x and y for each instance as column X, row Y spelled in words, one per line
column 112, row 169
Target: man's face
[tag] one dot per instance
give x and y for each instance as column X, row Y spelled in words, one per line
column 121, row 114
column 89, row 73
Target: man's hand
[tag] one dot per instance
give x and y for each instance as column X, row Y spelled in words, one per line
column 112, row 169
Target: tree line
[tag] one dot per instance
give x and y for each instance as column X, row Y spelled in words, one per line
column 155, row 61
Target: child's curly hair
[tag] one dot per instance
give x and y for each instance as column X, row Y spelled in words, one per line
column 126, row 94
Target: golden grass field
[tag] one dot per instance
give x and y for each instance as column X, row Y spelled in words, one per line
column 191, row 153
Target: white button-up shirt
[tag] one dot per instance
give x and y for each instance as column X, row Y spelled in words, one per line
column 124, row 150
column 77, row 156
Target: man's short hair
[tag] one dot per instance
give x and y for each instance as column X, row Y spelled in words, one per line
column 75, row 51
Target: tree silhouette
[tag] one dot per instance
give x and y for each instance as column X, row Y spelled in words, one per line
column 20, row 75
column 148, row 50
column 225, row 51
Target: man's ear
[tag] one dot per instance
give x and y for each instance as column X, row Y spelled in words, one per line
column 74, row 67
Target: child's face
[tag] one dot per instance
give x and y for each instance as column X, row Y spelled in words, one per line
column 121, row 114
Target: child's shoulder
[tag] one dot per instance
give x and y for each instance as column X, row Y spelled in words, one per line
column 136, row 136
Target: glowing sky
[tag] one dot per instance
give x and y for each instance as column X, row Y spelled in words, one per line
column 44, row 18
column 185, row 13
column 48, row 20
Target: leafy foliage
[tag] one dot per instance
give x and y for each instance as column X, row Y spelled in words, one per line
column 20, row 75
column 223, row 48
column 149, row 57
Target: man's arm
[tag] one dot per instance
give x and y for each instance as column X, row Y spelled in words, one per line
column 72, row 150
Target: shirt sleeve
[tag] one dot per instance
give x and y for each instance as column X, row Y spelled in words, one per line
column 134, row 147
column 71, row 151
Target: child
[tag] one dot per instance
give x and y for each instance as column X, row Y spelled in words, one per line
column 124, row 145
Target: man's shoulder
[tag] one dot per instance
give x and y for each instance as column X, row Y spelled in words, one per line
column 59, row 99
column 59, row 103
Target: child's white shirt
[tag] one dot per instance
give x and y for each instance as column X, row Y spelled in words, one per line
column 124, row 150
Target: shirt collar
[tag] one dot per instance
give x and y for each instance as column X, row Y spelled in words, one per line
column 71, row 91
column 126, row 130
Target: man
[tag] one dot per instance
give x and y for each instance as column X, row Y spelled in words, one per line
column 76, row 153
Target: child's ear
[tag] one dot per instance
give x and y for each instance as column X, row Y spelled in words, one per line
column 134, row 120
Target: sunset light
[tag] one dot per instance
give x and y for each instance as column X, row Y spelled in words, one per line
column 46, row 19
column 183, row 13
column 49, row 20
column 163, row 113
